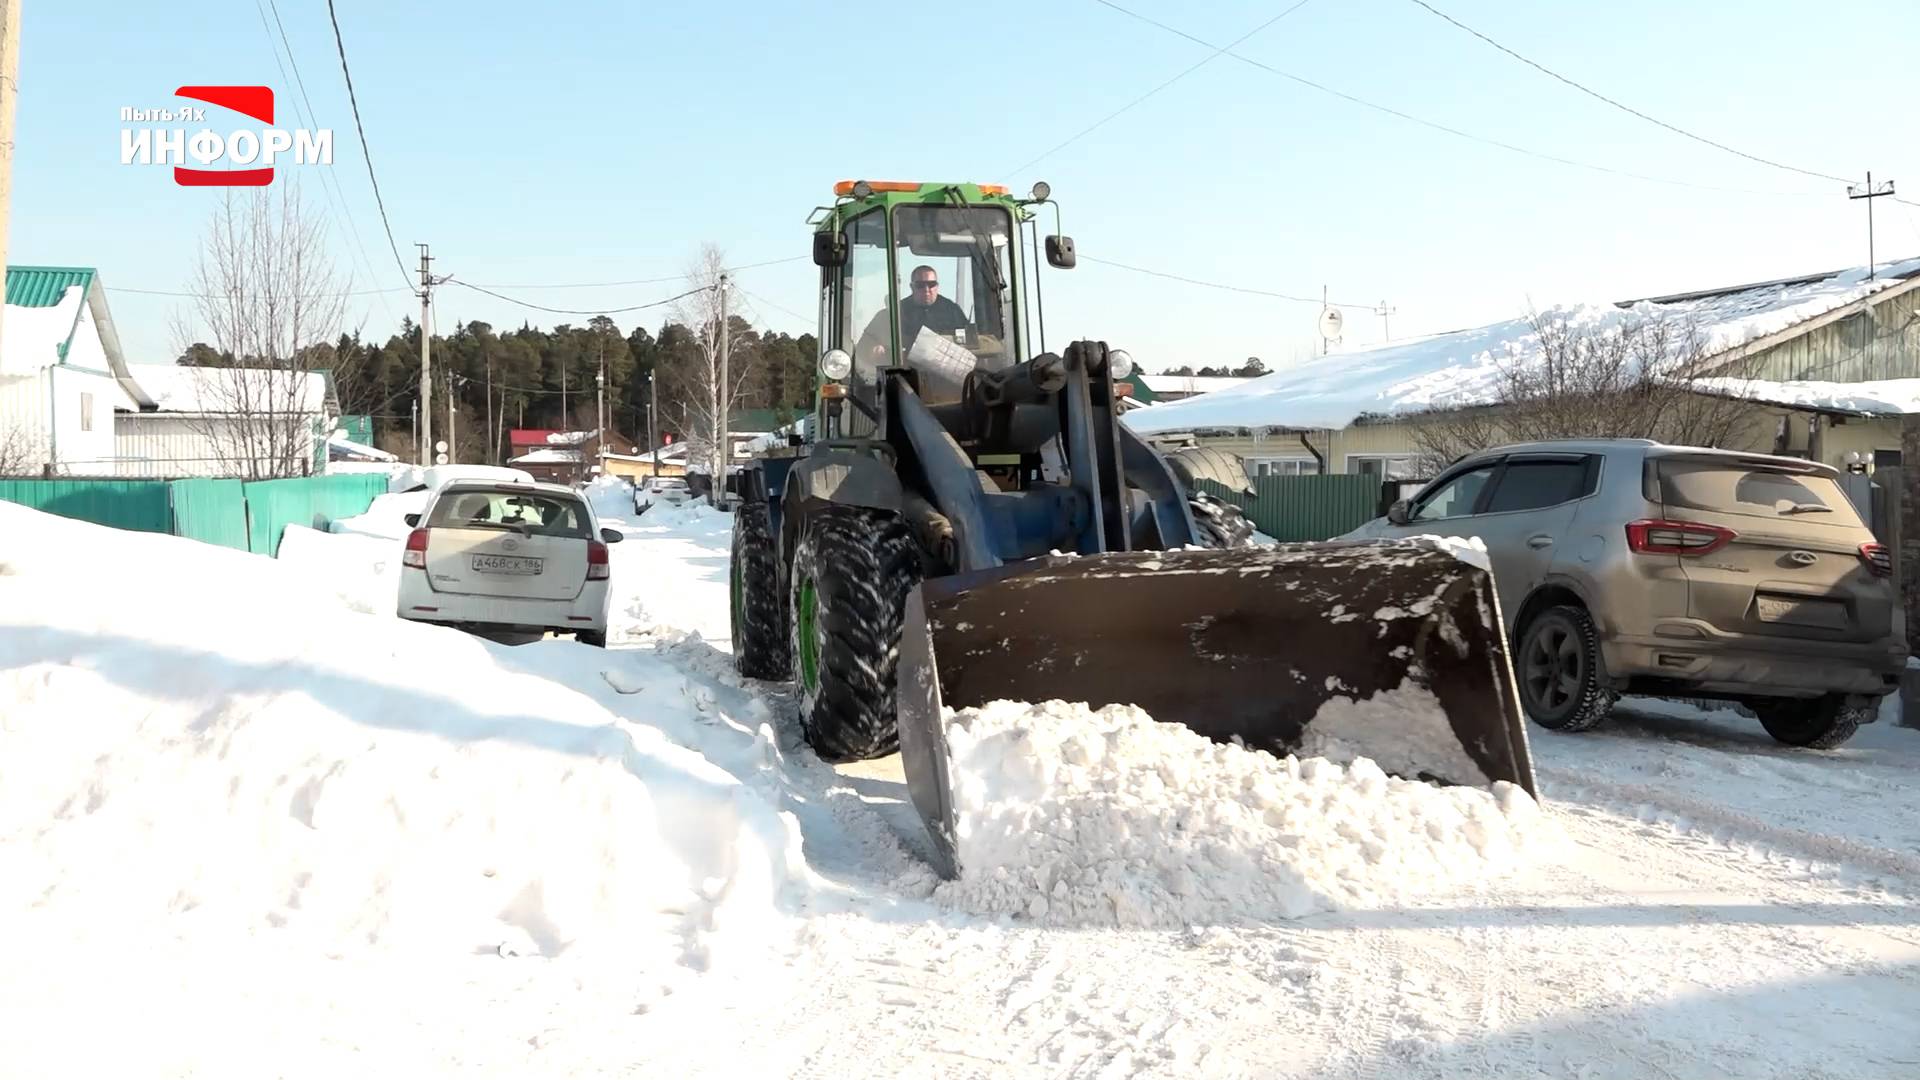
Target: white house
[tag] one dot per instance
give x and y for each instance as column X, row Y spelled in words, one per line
column 62, row 374
column 250, row 423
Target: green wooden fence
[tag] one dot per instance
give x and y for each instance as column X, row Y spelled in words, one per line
column 213, row 511
column 314, row 501
column 246, row 516
column 1299, row 508
column 140, row 505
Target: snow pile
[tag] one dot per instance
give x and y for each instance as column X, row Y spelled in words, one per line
column 611, row 498
column 1466, row 367
column 1403, row 730
column 361, row 570
column 385, row 517
column 253, row 767
column 1068, row 815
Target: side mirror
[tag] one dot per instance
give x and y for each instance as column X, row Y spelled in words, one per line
column 611, row 536
column 1060, row 252
column 1400, row 512
column 830, row 248
column 413, row 521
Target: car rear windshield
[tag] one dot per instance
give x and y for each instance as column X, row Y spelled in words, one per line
column 538, row 512
column 1735, row 487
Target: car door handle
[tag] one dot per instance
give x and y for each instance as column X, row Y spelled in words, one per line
column 1540, row 541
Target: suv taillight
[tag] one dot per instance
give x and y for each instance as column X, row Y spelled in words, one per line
column 596, row 561
column 1656, row 537
column 1878, row 559
column 416, row 553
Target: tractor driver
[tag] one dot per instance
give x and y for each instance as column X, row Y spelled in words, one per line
column 922, row 307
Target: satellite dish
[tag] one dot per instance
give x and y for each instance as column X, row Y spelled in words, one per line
column 1330, row 322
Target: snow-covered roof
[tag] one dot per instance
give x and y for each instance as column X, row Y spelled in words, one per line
column 338, row 442
column 40, row 335
column 569, row 438
column 1884, row 397
column 190, row 389
column 1464, row 368
column 547, row 455
column 1188, row 384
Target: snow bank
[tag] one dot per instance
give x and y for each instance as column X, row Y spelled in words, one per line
column 611, row 498
column 385, row 517
column 223, row 758
column 1072, row 816
column 362, row 570
column 413, row 477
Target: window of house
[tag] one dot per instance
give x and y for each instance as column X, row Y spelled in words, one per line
column 1382, row 466
column 1282, row 466
column 86, row 412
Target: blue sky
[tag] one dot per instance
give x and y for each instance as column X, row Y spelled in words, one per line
column 597, row 141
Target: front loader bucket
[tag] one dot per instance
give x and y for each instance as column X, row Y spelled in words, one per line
column 1244, row 643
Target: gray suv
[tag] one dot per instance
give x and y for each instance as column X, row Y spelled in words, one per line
column 1624, row 566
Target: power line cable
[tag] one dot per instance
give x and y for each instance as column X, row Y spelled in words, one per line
column 1435, row 125
column 197, row 295
column 577, row 311
column 1103, row 121
column 1598, row 96
column 329, row 184
column 649, row 281
column 1229, row 288
column 366, row 155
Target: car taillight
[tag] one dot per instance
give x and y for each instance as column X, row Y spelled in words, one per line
column 416, row 553
column 596, row 561
column 1878, row 559
column 1651, row 537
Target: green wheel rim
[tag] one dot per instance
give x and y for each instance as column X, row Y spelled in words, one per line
column 809, row 644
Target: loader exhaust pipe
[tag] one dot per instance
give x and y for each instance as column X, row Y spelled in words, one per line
column 1249, row 644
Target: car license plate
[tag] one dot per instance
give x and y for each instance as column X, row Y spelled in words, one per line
column 506, row 564
column 1797, row 612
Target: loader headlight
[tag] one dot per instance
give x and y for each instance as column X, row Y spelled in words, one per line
column 1119, row 363
column 835, row 364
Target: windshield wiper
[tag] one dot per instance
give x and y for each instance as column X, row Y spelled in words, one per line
column 1807, row 508
column 986, row 254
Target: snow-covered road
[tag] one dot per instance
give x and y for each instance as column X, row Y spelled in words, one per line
column 251, row 825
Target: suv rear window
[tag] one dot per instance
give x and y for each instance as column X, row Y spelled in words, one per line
column 489, row 508
column 1733, row 487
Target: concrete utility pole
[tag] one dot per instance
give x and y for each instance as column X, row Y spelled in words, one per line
column 1386, row 327
column 599, row 417
column 653, row 416
column 453, row 452
column 9, row 89
column 426, row 360
column 726, row 402
column 1869, row 193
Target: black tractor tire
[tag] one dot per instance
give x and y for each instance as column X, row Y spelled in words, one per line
column 1557, row 665
column 757, row 597
column 1219, row 523
column 594, row 638
column 1820, row 723
column 852, row 571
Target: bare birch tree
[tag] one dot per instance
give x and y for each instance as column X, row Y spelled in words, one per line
column 1630, row 380
column 22, row 453
column 696, row 385
column 268, row 300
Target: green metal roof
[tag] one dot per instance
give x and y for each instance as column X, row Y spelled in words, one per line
column 43, row 286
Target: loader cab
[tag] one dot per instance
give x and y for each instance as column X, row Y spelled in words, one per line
column 922, row 276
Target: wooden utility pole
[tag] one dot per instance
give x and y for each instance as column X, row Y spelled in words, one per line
column 453, row 452
column 426, row 359
column 1870, row 192
column 9, row 89
column 487, row 353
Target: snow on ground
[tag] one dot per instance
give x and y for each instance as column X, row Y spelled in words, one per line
column 1073, row 816
column 246, row 829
